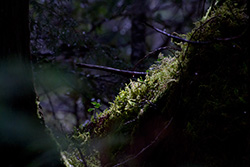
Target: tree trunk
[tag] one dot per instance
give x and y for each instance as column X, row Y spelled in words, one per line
column 15, row 57
column 23, row 139
column 138, row 17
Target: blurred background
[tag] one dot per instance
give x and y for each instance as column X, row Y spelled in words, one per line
column 109, row 33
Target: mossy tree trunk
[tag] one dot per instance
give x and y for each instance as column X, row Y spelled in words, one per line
column 210, row 105
column 191, row 110
column 23, row 139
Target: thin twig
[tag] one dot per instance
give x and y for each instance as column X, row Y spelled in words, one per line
column 154, row 52
column 176, row 37
column 82, row 157
column 195, row 31
column 195, row 42
column 46, row 92
column 113, row 70
column 145, row 148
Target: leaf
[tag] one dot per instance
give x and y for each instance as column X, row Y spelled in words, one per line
column 91, row 109
column 96, row 104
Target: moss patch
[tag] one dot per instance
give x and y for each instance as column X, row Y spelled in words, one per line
column 204, row 89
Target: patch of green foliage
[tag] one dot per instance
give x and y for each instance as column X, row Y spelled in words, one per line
column 127, row 107
column 212, row 81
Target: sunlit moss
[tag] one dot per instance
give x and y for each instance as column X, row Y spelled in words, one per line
column 132, row 102
column 129, row 105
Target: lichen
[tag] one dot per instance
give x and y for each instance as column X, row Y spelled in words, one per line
column 207, row 87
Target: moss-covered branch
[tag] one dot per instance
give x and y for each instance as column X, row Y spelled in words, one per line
column 204, row 87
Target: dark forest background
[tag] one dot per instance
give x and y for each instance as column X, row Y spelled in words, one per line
column 110, row 33
column 62, row 62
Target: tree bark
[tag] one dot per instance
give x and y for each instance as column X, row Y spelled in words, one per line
column 138, row 17
column 23, row 139
column 15, row 55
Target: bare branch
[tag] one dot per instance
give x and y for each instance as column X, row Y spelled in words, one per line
column 153, row 53
column 176, row 37
column 113, row 70
column 82, row 157
column 195, row 42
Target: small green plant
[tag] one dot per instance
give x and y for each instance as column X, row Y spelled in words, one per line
column 96, row 105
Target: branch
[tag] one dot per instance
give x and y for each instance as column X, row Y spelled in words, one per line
column 176, row 37
column 157, row 50
column 194, row 42
column 113, row 70
column 82, row 157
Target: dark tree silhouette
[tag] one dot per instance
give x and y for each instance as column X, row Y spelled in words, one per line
column 23, row 139
column 138, row 29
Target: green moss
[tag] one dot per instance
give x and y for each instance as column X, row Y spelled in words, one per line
column 127, row 107
column 204, row 86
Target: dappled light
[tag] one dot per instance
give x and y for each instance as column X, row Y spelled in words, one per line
column 124, row 83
